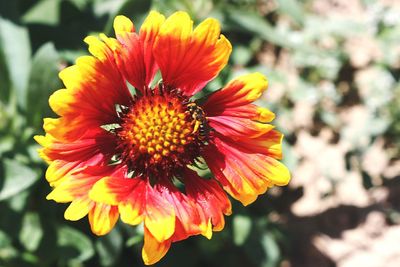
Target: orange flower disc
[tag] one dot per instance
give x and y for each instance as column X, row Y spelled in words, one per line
column 161, row 132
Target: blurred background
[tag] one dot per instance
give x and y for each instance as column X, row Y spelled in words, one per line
column 333, row 68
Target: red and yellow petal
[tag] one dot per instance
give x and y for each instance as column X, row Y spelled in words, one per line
column 95, row 81
column 238, row 128
column 153, row 250
column 64, row 129
column 240, row 91
column 189, row 59
column 118, row 191
column 168, row 214
column 78, row 208
column 137, row 201
column 90, row 144
column 93, row 87
column 102, row 218
column 211, row 199
column 135, row 53
column 244, row 152
column 75, row 187
column 243, row 173
column 196, row 212
column 71, row 187
column 148, row 33
column 189, row 220
column 94, row 148
column 123, row 25
column 230, row 110
column 131, row 60
column 269, row 144
column 160, row 217
column 248, row 111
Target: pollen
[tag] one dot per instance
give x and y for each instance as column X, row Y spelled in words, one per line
column 161, row 132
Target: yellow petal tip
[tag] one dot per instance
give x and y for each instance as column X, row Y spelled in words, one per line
column 123, row 25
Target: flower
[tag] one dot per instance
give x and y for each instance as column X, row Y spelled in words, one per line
column 115, row 153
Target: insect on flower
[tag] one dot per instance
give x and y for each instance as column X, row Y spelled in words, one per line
column 112, row 154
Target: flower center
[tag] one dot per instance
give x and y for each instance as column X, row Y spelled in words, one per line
column 161, row 132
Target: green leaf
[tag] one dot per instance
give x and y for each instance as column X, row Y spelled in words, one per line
column 18, row 202
column 15, row 51
column 6, row 250
column 33, row 154
column 317, row 26
column 43, row 82
column 241, row 229
column 75, row 246
column 46, row 12
column 170, row 6
column 7, row 143
column 271, row 249
column 102, row 8
column 17, row 178
column 81, row 4
column 198, row 10
column 71, row 55
column 31, row 233
column 252, row 22
column 293, row 9
column 4, row 85
column 109, row 248
column 241, row 55
column 389, row 40
column 134, row 240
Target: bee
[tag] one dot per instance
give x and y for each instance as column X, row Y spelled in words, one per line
column 200, row 121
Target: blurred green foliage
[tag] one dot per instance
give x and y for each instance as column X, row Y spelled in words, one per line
column 40, row 37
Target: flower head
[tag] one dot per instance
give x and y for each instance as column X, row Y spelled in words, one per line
column 112, row 153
